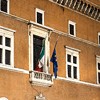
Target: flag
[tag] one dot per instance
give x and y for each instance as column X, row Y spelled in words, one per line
column 40, row 64
column 55, row 64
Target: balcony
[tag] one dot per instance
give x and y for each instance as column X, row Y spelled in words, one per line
column 40, row 78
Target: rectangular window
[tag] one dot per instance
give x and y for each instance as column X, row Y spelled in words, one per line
column 38, row 45
column 6, row 48
column 72, row 28
column 39, row 51
column 99, row 38
column 4, row 5
column 72, row 63
column 98, row 70
column 39, row 16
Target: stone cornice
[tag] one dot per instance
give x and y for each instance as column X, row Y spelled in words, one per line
column 89, row 9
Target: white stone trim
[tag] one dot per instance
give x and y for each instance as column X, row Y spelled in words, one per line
column 78, row 82
column 4, row 32
column 98, row 71
column 99, row 38
column 3, row 98
column 75, row 38
column 74, row 24
column 8, row 3
column 74, row 11
column 14, row 69
column 40, row 11
column 7, row 29
column 74, row 49
column 34, row 30
column 75, row 53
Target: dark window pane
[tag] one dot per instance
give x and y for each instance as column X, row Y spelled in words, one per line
column 4, row 5
column 7, row 57
column 75, row 72
column 71, row 29
column 69, row 70
column 68, row 58
column 98, row 66
column 7, row 41
column 0, row 55
column 37, row 46
column 1, row 40
column 74, row 60
column 99, row 77
column 39, row 18
column 99, row 39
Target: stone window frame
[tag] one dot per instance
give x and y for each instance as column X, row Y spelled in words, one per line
column 98, row 70
column 74, row 25
column 99, row 38
column 41, row 12
column 44, row 34
column 7, row 7
column 6, row 32
column 72, row 52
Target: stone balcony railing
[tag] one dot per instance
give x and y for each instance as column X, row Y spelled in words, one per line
column 40, row 78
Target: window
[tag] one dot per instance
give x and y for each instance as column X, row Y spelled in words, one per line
column 72, row 28
column 4, row 5
column 99, row 38
column 39, row 16
column 6, row 48
column 38, row 45
column 98, row 69
column 39, row 42
column 72, row 63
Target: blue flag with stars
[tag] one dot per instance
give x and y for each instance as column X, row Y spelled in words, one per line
column 55, row 64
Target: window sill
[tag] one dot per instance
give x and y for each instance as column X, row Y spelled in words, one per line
column 78, row 82
column 4, row 12
column 10, row 68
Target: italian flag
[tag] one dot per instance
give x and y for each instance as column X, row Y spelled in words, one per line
column 40, row 64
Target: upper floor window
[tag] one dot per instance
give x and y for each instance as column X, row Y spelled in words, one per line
column 6, row 48
column 72, row 28
column 39, row 16
column 99, row 38
column 98, row 70
column 4, row 5
column 72, row 64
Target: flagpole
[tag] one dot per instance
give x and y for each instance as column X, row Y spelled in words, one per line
column 56, row 41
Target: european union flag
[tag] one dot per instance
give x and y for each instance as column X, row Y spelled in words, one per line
column 55, row 64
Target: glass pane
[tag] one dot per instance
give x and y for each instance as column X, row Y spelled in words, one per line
column 39, row 18
column 68, row 58
column 71, row 29
column 69, row 70
column 37, row 46
column 99, row 39
column 75, row 72
column 7, row 41
column 1, row 40
column 4, row 5
column 7, row 57
column 74, row 60
column 0, row 55
column 99, row 77
column 98, row 66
